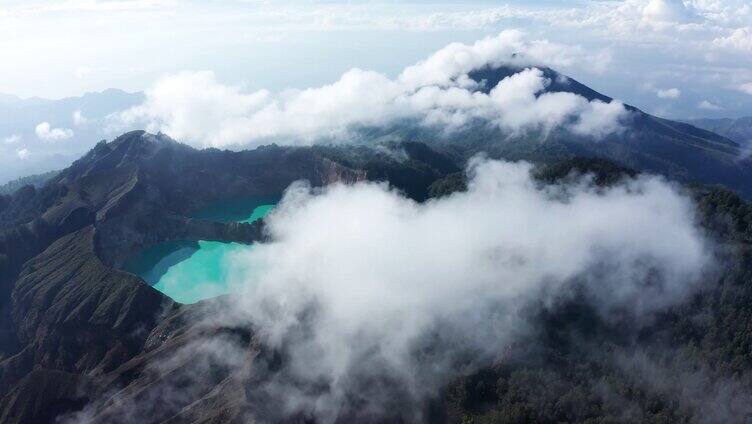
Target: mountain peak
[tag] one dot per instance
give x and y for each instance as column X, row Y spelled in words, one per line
column 490, row 76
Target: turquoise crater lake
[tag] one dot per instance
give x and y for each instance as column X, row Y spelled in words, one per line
column 191, row 271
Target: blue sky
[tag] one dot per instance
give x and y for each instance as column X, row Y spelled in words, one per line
column 673, row 58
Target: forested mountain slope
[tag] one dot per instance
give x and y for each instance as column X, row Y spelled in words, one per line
column 79, row 335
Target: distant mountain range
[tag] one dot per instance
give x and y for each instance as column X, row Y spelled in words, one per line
column 737, row 129
column 648, row 143
column 81, row 119
column 73, row 325
column 706, row 151
column 36, row 180
column 79, row 334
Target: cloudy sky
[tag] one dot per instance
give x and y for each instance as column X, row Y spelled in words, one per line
column 674, row 58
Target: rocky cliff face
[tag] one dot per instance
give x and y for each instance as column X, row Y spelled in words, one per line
column 73, row 326
column 81, row 341
column 739, row 129
column 67, row 290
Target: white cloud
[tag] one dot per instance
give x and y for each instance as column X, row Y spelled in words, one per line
column 708, row 105
column 95, row 6
column 616, row 26
column 599, row 119
column 79, row 119
column 671, row 93
column 22, row 153
column 633, row 20
column 357, row 279
column 194, row 107
column 740, row 39
column 46, row 133
column 667, row 11
column 81, row 72
column 12, row 139
column 746, row 88
column 510, row 47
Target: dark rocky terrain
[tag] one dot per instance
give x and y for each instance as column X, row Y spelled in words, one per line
column 79, row 337
column 739, row 129
column 648, row 143
column 69, row 316
column 65, row 309
column 37, row 180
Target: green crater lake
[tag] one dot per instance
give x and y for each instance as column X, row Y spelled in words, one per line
column 190, row 271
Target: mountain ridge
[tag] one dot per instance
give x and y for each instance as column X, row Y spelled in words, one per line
column 62, row 279
column 738, row 129
column 649, row 143
column 79, row 336
column 59, row 272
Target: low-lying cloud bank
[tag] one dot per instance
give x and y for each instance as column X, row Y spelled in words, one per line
column 378, row 301
column 196, row 108
column 364, row 304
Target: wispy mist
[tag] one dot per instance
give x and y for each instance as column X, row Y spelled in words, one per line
column 361, row 283
column 365, row 304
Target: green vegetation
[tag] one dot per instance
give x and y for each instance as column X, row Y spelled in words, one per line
column 456, row 181
column 409, row 167
column 37, row 180
column 691, row 364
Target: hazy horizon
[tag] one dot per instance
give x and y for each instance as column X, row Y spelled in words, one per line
column 678, row 59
